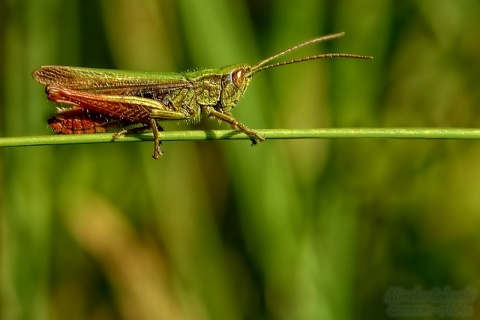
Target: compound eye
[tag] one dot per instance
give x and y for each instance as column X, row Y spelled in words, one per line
column 238, row 77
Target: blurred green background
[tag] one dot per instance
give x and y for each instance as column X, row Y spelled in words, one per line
column 317, row 229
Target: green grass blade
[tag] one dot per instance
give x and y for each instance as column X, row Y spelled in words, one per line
column 193, row 135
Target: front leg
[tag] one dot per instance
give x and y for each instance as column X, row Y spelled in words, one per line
column 234, row 123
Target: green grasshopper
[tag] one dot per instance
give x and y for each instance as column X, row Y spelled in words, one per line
column 101, row 99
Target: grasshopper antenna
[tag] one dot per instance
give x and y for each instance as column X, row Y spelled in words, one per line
column 260, row 66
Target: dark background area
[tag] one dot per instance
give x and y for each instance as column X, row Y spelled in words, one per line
column 299, row 229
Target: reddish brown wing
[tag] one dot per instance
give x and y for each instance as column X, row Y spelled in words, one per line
column 80, row 121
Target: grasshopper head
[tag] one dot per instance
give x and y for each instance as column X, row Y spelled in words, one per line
column 235, row 81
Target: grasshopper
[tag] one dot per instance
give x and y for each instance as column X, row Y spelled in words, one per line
column 100, row 99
